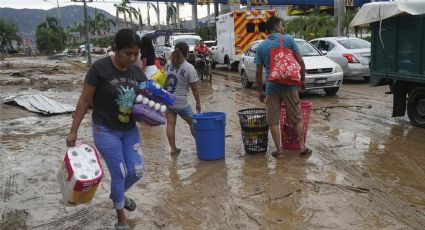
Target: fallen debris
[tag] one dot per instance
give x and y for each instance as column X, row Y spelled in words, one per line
column 40, row 104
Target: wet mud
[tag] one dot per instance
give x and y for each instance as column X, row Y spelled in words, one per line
column 367, row 170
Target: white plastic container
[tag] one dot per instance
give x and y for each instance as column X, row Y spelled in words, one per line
column 80, row 174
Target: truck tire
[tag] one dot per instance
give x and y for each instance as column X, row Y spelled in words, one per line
column 331, row 91
column 416, row 107
column 228, row 64
column 244, row 80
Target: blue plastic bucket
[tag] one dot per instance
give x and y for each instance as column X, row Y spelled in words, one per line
column 209, row 135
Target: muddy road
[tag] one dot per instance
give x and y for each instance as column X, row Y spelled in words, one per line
column 367, row 170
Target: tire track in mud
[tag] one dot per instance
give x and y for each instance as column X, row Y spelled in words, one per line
column 387, row 201
column 79, row 220
column 9, row 186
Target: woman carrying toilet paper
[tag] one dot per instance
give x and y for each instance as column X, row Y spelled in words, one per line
column 181, row 75
column 112, row 85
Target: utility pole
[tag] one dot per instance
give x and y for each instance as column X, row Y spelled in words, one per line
column 88, row 46
column 248, row 4
column 195, row 15
column 339, row 13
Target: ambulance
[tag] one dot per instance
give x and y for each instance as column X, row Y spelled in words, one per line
column 236, row 31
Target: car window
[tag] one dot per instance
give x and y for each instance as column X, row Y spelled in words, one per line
column 253, row 49
column 330, row 46
column 354, row 43
column 307, row 49
column 315, row 43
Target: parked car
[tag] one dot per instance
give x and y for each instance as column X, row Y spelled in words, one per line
column 352, row 54
column 212, row 45
column 321, row 72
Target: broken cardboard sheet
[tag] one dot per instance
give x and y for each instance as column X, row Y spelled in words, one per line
column 40, row 104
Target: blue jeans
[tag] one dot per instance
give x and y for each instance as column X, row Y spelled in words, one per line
column 120, row 150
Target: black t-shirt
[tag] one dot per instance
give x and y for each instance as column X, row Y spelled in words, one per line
column 149, row 55
column 115, row 92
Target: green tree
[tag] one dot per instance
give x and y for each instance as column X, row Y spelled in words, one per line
column 318, row 25
column 8, row 33
column 348, row 17
column 171, row 14
column 50, row 36
column 207, row 32
column 311, row 26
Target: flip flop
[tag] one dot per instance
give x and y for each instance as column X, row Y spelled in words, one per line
column 277, row 155
column 129, row 204
column 177, row 151
column 305, row 151
column 121, row 227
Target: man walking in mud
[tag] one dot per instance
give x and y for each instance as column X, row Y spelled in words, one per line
column 275, row 93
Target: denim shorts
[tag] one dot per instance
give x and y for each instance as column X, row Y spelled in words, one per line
column 185, row 112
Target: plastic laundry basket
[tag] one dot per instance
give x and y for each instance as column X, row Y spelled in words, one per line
column 254, row 130
column 288, row 133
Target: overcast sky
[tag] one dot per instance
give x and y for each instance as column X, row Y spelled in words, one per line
column 108, row 5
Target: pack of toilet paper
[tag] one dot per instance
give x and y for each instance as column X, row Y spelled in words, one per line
column 80, row 174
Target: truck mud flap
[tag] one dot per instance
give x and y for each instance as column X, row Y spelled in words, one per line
column 399, row 101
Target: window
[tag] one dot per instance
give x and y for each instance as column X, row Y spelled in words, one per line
column 262, row 27
column 250, row 27
column 253, row 49
column 354, row 43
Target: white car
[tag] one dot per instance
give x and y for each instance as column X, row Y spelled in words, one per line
column 352, row 54
column 189, row 39
column 321, row 72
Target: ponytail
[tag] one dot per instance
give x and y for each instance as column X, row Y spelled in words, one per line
column 179, row 55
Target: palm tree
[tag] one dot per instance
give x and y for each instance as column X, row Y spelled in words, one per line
column 122, row 8
column 318, row 25
column 132, row 12
column 100, row 23
column 348, row 17
column 8, row 32
column 49, row 35
column 171, row 13
column 156, row 9
column 296, row 26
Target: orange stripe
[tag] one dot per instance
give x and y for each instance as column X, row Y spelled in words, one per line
column 239, row 20
column 240, row 23
column 241, row 28
column 247, row 40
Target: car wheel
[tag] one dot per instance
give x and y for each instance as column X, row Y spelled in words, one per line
column 331, row 91
column 244, row 80
column 416, row 107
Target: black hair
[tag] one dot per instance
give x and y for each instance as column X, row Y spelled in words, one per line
column 178, row 56
column 146, row 44
column 272, row 22
column 126, row 38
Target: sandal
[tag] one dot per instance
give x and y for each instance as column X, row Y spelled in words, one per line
column 275, row 154
column 121, row 227
column 129, row 204
column 305, row 151
column 175, row 152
